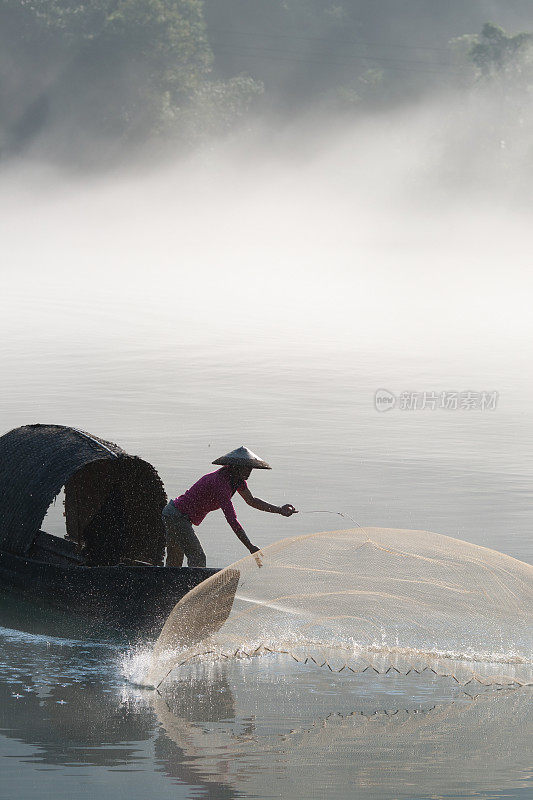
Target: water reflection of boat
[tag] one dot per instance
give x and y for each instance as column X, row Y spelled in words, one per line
column 109, row 565
column 74, row 721
column 63, row 705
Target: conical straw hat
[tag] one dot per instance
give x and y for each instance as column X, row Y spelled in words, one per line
column 243, row 457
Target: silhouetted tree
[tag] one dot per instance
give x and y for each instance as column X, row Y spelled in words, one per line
column 495, row 52
column 107, row 71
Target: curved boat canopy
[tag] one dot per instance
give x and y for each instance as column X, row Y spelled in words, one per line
column 113, row 501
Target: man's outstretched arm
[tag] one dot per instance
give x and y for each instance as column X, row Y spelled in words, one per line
column 229, row 513
column 255, row 502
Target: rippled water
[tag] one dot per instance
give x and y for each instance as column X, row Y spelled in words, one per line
column 74, row 727
column 462, row 473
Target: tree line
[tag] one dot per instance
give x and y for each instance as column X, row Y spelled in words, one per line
column 104, row 76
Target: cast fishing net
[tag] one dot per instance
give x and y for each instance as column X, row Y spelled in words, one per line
column 375, row 599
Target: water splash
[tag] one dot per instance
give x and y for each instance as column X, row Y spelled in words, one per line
column 378, row 599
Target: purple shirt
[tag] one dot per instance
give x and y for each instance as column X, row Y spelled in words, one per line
column 212, row 491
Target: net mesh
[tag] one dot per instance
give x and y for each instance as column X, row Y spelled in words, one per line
column 378, row 599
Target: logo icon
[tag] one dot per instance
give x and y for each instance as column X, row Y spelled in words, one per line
column 384, row 400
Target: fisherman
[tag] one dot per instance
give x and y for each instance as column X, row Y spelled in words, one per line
column 211, row 492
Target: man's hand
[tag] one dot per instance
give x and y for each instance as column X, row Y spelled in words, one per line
column 253, row 550
column 287, row 510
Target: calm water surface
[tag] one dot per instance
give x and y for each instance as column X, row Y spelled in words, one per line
column 72, row 726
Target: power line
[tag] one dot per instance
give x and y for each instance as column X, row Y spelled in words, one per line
column 387, row 45
column 343, row 56
column 259, row 56
column 264, row 54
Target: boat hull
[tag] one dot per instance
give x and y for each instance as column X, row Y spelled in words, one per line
column 131, row 598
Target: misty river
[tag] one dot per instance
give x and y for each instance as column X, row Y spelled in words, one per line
column 362, row 326
column 73, row 725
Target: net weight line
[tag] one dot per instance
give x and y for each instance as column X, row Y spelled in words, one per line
column 263, row 649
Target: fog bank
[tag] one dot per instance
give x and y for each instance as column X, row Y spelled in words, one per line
column 406, row 230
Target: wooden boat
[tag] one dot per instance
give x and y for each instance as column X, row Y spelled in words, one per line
column 109, row 567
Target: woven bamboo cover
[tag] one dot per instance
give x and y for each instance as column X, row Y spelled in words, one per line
column 36, row 461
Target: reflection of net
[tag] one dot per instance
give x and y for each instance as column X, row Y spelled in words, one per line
column 379, row 599
column 300, row 744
